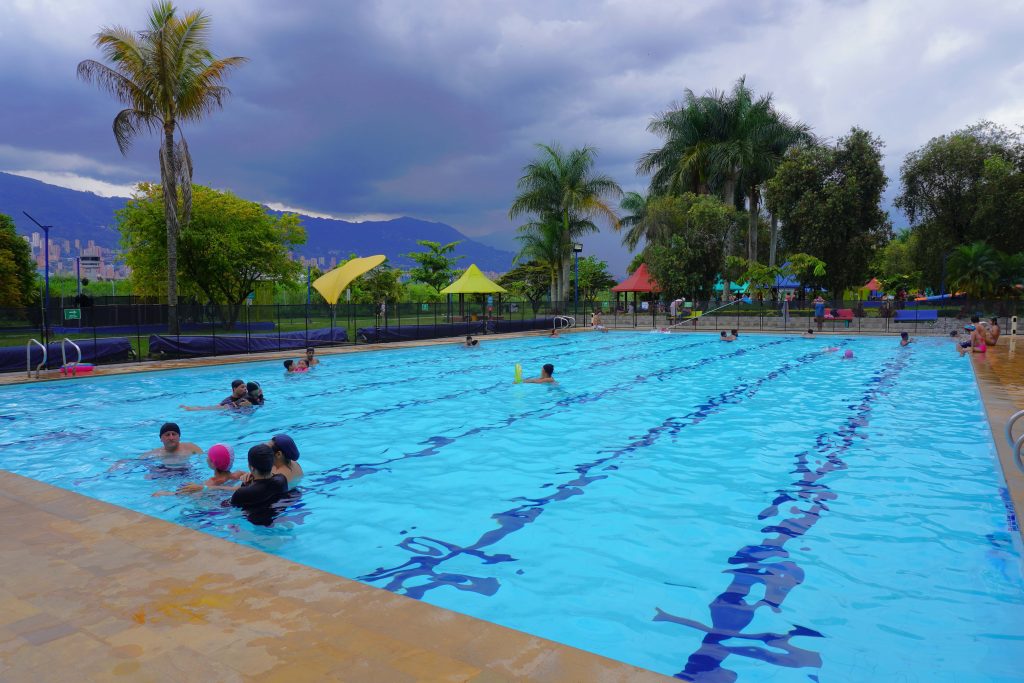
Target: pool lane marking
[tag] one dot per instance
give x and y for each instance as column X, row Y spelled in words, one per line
column 730, row 614
column 430, row 553
column 349, row 471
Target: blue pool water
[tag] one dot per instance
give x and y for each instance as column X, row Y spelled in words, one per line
column 760, row 511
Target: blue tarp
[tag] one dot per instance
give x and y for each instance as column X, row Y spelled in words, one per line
column 102, row 350
column 393, row 333
column 232, row 344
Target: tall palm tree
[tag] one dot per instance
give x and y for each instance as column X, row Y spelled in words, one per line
column 717, row 141
column 564, row 185
column 636, row 206
column 165, row 76
column 542, row 242
column 974, row 268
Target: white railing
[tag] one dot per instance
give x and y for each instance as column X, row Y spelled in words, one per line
column 28, row 357
column 563, row 322
column 1016, row 445
column 73, row 370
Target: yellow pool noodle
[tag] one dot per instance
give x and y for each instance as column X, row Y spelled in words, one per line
column 518, row 376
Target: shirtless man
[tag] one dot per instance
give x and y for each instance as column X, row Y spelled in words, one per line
column 809, row 334
column 174, row 451
column 905, row 339
column 725, row 336
column 596, row 322
column 310, row 360
column 545, row 376
column 239, row 398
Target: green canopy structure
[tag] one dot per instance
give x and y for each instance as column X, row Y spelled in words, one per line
column 473, row 282
column 332, row 284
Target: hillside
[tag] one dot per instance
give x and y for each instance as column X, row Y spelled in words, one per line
column 86, row 216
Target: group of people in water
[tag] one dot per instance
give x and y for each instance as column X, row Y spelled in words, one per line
column 273, row 468
column 302, row 364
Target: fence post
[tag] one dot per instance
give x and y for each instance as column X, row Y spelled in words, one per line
column 277, row 315
column 138, row 333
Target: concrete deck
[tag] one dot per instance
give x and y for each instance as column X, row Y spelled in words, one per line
column 91, row 591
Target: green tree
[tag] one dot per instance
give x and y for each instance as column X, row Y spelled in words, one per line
column 828, row 200
column 541, row 243
column 434, row 266
column 960, row 188
column 166, row 76
column 594, row 279
column 689, row 252
column 561, row 188
column 17, row 269
column 228, row 246
column 529, row 280
column 974, row 268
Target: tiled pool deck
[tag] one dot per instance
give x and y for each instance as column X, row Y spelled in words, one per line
column 92, row 591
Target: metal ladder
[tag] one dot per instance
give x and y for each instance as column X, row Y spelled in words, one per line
column 28, row 356
column 563, row 322
column 64, row 358
column 1015, row 445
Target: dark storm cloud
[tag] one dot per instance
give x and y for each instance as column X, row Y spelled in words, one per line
column 431, row 109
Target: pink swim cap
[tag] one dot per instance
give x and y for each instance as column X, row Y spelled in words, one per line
column 221, row 456
column 848, row 354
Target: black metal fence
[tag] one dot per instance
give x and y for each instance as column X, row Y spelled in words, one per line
column 211, row 330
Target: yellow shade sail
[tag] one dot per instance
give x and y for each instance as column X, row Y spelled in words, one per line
column 472, row 282
column 332, row 284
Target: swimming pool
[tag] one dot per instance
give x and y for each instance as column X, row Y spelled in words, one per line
column 758, row 509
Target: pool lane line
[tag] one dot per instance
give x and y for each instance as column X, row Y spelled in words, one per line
column 431, row 553
column 730, row 614
column 350, row 471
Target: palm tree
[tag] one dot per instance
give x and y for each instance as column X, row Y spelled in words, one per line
column 166, row 76
column 974, row 268
column 563, row 186
column 542, row 243
column 718, row 141
column 633, row 222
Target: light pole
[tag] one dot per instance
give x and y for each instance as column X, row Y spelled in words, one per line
column 576, row 249
column 46, row 275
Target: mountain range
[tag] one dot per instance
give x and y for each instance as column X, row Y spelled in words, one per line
column 87, row 216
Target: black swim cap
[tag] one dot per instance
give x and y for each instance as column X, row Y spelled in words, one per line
column 261, row 458
column 170, row 427
column 252, row 386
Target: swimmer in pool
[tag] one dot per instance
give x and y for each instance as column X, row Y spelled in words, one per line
column 220, row 459
column 546, row 376
column 286, row 460
column 173, row 452
column 239, row 398
column 905, row 339
column 724, row 336
column 809, row 334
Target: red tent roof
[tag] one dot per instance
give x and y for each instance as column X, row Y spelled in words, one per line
column 872, row 285
column 639, row 281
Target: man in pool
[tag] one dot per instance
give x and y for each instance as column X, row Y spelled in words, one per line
column 265, row 487
column 310, row 360
column 239, row 398
column 725, row 336
column 470, row 342
column 546, row 376
column 905, row 339
column 809, row 334
column 174, row 451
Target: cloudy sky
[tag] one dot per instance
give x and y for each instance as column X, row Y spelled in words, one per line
column 430, row 108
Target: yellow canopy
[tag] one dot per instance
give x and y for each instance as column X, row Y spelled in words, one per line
column 332, row 284
column 472, row 282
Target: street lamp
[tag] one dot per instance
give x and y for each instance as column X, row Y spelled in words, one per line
column 576, row 249
column 46, row 275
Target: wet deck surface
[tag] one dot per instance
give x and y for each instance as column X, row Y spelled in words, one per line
column 92, row 591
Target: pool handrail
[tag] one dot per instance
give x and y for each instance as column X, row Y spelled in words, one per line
column 563, row 322
column 1018, row 444
column 64, row 357
column 28, row 357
